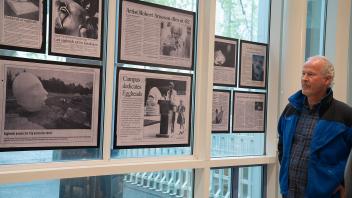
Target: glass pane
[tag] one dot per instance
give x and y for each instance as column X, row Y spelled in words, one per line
column 41, row 156
column 189, row 5
column 250, row 182
column 22, row 157
column 220, row 183
column 237, row 144
column 243, row 19
column 47, row 189
column 166, row 184
column 315, row 32
column 241, row 182
column 150, row 152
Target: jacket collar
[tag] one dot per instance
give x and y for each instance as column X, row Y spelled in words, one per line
column 297, row 101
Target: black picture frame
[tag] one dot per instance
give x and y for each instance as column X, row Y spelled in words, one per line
column 67, row 36
column 169, row 60
column 223, row 116
column 58, row 102
column 161, row 131
column 225, row 61
column 256, row 68
column 41, row 49
column 258, row 106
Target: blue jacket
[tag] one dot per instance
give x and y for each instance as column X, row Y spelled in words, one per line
column 348, row 177
column 330, row 145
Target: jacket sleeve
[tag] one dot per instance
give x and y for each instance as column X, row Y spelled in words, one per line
column 280, row 129
column 279, row 145
column 348, row 176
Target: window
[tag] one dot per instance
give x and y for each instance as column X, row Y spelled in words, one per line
column 315, row 32
column 135, row 171
column 240, row 182
column 172, row 183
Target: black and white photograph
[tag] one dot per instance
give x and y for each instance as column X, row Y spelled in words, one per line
column 77, row 18
column 175, row 40
column 23, row 25
column 168, row 92
column 248, row 112
column 253, row 64
column 153, row 109
column 259, row 106
column 257, row 67
column 76, row 27
column 26, row 9
column 51, row 99
column 221, row 111
column 43, row 99
column 225, row 61
column 157, row 35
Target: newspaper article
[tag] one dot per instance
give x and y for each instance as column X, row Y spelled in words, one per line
column 249, row 112
column 21, row 23
column 253, row 64
column 76, row 27
column 48, row 105
column 153, row 109
column 225, row 61
column 221, row 111
column 155, row 35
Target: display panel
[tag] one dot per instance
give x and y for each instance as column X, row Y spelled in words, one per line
column 22, row 25
column 76, row 28
column 249, row 112
column 253, row 64
column 48, row 106
column 151, row 34
column 153, row 109
column 221, row 111
column 225, row 61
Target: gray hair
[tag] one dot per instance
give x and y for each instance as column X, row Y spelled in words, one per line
column 328, row 67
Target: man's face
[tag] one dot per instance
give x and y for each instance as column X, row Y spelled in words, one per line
column 314, row 82
column 70, row 17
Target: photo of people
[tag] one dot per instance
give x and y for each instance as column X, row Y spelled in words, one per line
column 220, row 111
column 175, row 39
column 224, row 54
column 218, row 114
column 26, row 9
column 258, row 106
column 47, row 99
column 257, row 67
column 164, row 107
column 77, row 18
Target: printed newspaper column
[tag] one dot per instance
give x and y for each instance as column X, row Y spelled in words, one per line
column 155, row 35
column 249, row 112
column 21, row 23
column 132, row 113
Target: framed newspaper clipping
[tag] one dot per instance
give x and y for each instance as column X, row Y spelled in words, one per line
column 76, row 28
column 153, row 109
column 151, row 34
column 23, row 25
column 221, row 111
column 249, row 112
column 253, row 64
column 48, row 105
column 225, row 61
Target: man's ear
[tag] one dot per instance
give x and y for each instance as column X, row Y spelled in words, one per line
column 328, row 80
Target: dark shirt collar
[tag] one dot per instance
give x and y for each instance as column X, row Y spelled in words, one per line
column 322, row 105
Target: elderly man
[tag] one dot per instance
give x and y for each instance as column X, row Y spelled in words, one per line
column 315, row 136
